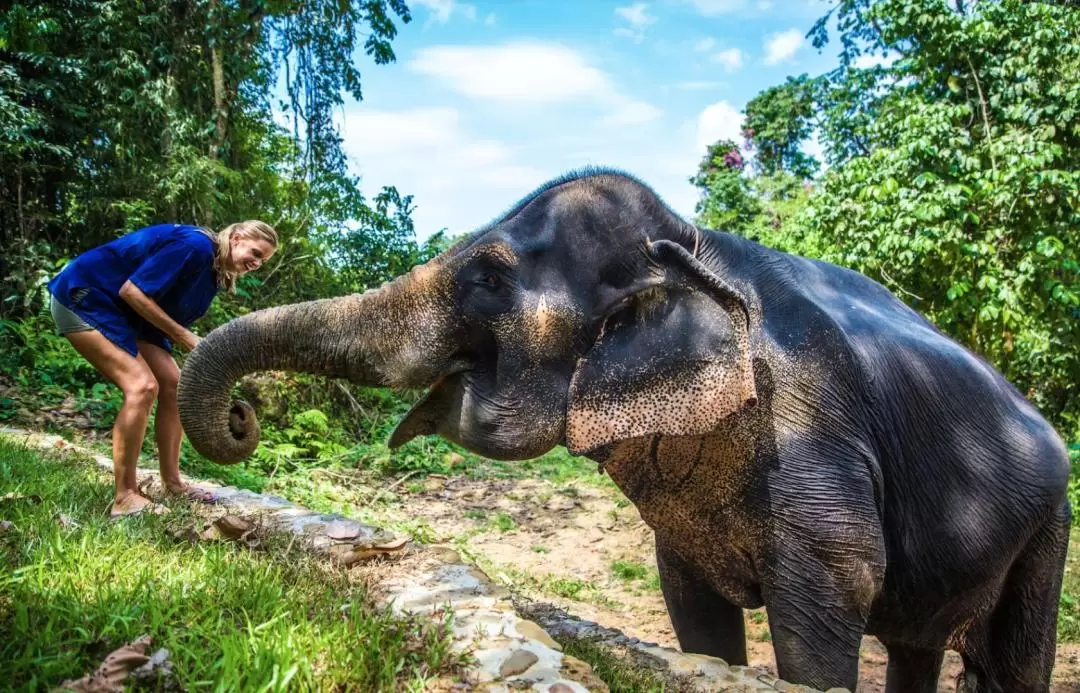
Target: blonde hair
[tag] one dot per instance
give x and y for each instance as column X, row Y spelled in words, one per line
column 252, row 228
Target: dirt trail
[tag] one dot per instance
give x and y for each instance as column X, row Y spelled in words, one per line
column 585, row 549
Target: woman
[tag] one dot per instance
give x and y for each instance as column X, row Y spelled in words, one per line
column 123, row 304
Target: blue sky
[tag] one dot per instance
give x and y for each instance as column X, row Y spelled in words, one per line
column 487, row 100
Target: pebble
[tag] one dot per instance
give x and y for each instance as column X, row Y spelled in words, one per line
column 518, row 663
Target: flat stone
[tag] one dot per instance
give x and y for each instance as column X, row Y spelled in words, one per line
column 225, row 492
column 517, row 663
column 530, row 630
column 343, row 529
column 276, row 501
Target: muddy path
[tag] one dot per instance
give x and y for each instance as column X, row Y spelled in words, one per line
column 584, row 548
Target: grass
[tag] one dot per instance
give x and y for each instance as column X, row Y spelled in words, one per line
column 621, row 676
column 74, row 587
column 1069, row 607
column 635, row 572
column 629, row 571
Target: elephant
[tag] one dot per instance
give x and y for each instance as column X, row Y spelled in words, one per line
column 795, row 435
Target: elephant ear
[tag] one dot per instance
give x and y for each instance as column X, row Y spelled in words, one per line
column 676, row 361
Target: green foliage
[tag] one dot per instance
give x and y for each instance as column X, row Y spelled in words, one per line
column 78, row 589
column 778, row 121
column 727, row 201
column 306, row 441
column 953, row 176
column 180, row 127
column 629, row 570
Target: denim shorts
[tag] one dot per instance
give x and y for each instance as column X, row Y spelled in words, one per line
column 67, row 321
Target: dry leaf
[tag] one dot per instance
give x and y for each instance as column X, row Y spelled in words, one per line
column 13, row 496
column 110, row 676
column 396, row 544
column 233, row 527
column 346, row 556
column 251, row 539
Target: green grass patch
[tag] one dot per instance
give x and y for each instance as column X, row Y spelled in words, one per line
column 75, row 586
column 620, row 676
column 638, row 573
column 629, row 570
column 504, row 523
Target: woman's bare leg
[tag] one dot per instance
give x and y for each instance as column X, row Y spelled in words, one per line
column 134, row 378
column 167, row 429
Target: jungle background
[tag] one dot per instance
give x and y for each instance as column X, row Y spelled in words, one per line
column 950, row 174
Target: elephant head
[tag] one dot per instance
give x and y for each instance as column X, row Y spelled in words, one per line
column 582, row 317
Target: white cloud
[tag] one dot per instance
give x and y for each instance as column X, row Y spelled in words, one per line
column 638, row 17
column 720, row 121
column 731, row 59
column 716, row 8
column 782, row 46
column 441, row 10
column 490, row 19
column 630, row 112
column 428, row 153
column 531, row 73
column 523, row 72
column 705, row 45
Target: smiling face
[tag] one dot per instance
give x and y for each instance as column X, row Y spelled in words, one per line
column 247, row 254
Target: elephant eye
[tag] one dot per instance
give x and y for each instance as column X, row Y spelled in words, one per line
column 489, row 280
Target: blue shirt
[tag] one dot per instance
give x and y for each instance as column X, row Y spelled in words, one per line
column 171, row 263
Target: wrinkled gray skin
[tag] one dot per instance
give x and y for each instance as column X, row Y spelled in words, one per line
column 793, row 433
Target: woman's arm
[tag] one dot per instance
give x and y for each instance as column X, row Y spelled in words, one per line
column 147, row 308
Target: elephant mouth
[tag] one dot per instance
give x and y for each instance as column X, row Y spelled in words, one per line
column 438, row 411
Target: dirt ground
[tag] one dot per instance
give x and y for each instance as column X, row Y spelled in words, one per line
column 584, row 548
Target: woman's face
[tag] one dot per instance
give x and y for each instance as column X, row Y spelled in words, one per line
column 247, row 254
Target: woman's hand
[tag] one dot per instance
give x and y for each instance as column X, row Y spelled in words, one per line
column 146, row 307
column 190, row 341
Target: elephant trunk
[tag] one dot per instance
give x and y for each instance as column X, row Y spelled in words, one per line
column 362, row 338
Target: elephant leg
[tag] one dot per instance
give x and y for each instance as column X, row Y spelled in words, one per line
column 1015, row 647
column 913, row 670
column 705, row 622
column 817, row 616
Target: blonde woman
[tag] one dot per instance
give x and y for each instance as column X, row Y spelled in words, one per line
column 123, row 304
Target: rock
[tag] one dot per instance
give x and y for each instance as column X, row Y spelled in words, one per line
column 343, row 529
column 518, row 662
column 434, row 484
column 577, row 670
column 532, row 631
column 456, row 459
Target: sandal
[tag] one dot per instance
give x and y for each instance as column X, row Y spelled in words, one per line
column 151, row 507
column 195, row 494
